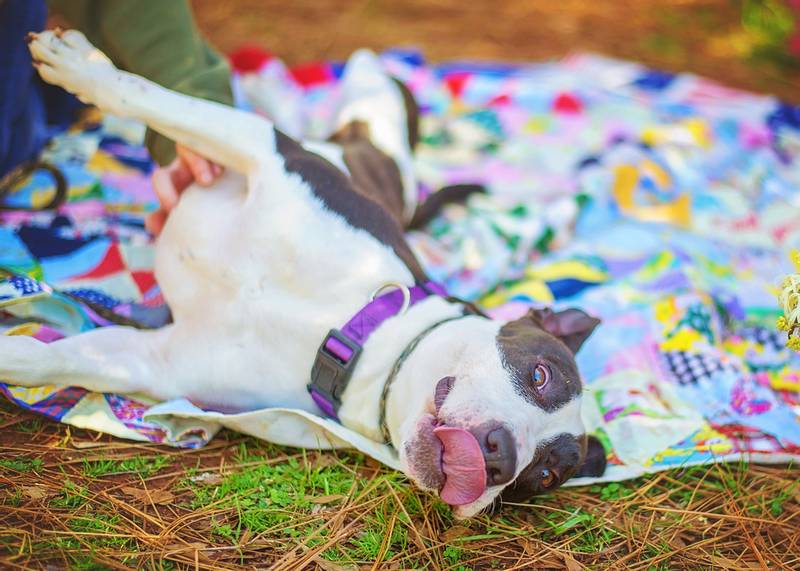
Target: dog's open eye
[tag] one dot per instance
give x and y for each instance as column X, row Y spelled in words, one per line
column 541, row 376
column 548, row 478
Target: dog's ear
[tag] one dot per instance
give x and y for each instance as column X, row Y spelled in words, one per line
column 572, row 326
column 594, row 464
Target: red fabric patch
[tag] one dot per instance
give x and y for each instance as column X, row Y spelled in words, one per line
column 500, row 100
column 456, row 82
column 144, row 280
column 568, row 104
column 249, row 58
column 312, row 74
column 794, row 43
column 112, row 263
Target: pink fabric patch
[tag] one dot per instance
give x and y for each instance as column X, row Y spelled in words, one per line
column 47, row 334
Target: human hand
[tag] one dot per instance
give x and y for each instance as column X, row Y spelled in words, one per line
column 170, row 181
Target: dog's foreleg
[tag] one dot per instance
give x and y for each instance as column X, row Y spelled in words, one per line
column 109, row 359
column 236, row 139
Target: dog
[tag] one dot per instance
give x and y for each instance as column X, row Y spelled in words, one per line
column 296, row 239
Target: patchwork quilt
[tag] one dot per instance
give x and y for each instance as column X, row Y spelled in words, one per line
column 665, row 204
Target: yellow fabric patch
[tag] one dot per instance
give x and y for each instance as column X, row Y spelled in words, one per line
column 785, row 380
column 657, row 173
column 535, row 290
column 683, row 340
column 699, row 131
column 666, row 311
column 536, row 125
column 32, row 395
column 105, row 163
column 29, row 329
column 567, row 269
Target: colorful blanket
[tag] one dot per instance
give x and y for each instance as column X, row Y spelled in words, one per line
column 666, row 205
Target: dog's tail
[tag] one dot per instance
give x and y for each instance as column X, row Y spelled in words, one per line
column 427, row 211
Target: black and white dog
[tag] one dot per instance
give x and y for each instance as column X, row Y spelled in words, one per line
column 288, row 246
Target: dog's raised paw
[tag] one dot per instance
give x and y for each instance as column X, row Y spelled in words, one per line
column 68, row 60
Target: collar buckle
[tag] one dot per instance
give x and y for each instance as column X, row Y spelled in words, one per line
column 336, row 360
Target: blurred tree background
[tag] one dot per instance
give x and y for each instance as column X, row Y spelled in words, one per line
column 752, row 44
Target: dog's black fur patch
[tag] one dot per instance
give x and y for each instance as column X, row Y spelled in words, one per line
column 524, row 344
column 336, row 192
column 565, row 456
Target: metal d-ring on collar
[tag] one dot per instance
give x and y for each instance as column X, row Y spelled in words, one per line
column 395, row 285
column 387, row 438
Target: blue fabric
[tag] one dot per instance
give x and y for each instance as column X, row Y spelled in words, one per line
column 29, row 110
column 22, row 116
column 654, row 80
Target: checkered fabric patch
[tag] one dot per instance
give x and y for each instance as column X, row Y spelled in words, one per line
column 769, row 338
column 691, row 368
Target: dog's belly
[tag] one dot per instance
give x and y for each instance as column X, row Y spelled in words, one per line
column 194, row 251
column 254, row 283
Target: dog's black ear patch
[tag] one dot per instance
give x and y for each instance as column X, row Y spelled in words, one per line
column 572, row 326
column 594, row 464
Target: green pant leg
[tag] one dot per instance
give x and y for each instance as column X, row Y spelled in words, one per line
column 157, row 39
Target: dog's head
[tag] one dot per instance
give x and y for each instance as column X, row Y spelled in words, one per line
column 504, row 417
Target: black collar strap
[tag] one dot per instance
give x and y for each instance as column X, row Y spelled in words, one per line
column 387, row 438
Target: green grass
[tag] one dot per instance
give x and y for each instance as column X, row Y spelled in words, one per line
column 33, row 425
column 285, row 499
column 243, row 502
column 72, row 496
column 21, row 464
column 145, row 466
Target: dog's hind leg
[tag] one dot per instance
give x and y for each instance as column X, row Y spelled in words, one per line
column 108, row 359
column 236, row 139
column 372, row 97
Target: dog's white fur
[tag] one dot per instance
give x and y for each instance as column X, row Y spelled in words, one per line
column 256, row 271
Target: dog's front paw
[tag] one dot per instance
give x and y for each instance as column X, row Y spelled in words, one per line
column 68, row 60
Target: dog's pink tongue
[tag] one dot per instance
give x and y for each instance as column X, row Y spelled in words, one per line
column 462, row 464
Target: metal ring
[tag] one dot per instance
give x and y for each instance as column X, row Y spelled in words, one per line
column 26, row 169
column 395, row 285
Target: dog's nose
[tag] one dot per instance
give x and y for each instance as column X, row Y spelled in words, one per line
column 499, row 452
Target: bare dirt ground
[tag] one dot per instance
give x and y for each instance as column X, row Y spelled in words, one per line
column 700, row 36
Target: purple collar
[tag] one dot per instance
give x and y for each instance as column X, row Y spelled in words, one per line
column 338, row 355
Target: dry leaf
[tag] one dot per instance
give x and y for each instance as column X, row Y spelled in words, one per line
column 35, row 492
column 365, row 472
column 327, row 499
column 679, row 542
column 86, row 444
column 323, row 461
column 455, row 532
column 415, row 539
column 570, row 564
column 207, row 478
column 146, row 496
column 529, row 547
column 326, row 565
column 173, row 548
